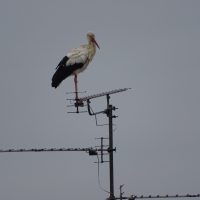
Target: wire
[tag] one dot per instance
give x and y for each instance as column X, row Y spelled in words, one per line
column 99, row 182
column 96, row 119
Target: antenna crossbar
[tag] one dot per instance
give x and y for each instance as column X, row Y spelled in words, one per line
column 103, row 94
column 132, row 197
column 51, row 150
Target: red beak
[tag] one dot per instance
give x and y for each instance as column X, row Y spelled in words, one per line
column 96, row 43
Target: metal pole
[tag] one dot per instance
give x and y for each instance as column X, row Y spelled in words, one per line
column 110, row 116
column 101, row 149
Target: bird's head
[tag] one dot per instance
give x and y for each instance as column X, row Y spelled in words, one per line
column 91, row 38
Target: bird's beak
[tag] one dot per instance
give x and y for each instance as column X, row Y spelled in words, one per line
column 96, row 43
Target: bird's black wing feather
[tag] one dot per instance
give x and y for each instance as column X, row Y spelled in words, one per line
column 63, row 62
column 63, row 71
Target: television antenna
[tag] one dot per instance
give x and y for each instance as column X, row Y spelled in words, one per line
column 102, row 149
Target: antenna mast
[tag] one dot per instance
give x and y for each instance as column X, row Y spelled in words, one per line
column 109, row 113
column 110, row 116
column 79, row 103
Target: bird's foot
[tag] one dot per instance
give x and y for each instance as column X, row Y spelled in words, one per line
column 79, row 103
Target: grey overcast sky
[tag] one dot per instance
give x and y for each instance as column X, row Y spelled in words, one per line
column 151, row 46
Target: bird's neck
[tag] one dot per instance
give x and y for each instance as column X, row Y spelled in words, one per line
column 91, row 43
column 91, row 50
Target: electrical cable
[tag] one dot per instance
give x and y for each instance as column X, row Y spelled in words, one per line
column 96, row 118
column 102, row 124
column 99, row 182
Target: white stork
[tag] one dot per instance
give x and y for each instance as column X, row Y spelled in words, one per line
column 75, row 62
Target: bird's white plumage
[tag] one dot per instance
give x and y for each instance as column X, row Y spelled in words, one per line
column 83, row 54
column 77, row 55
column 76, row 61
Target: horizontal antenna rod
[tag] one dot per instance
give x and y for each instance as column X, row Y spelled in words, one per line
column 103, row 94
column 51, row 150
column 159, row 196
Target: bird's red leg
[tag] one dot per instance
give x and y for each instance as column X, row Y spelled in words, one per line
column 76, row 86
